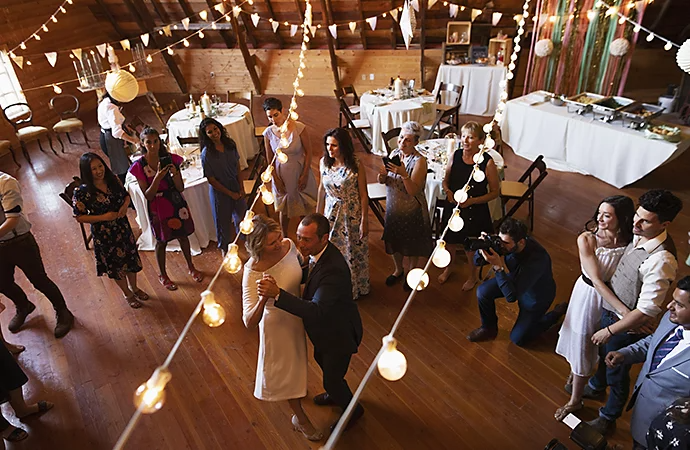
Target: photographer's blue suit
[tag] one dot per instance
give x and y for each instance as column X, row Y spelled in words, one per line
column 530, row 283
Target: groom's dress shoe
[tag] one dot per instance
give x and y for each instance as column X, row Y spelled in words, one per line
column 324, row 399
column 356, row 415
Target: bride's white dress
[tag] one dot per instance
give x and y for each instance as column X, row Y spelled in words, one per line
column 281, row 370
column 584, row 316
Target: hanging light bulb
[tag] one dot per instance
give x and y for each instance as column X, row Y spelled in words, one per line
column 57, row 89
column 213, row 25
column 150, row 396
column 44, row 28
column 668, row 46
column 478, row 158
column 54, row 19
column 489, row 126
column 63, row 10
column 294, row 115
column 149, row 59
column 418, row 279
column 232, row 262
column 247, row 225
column 456, row 223
column 37, row 37
column 185, row 42
column 214, row 314
column 70, row 1
column 28, row 63
column 509, row 76
column 300, row 92
column 201, row 34
column 284, row 143
column 170, row 51
column 392, row 364
column 267, row 175
column 22, row 46
column 460, row 196
column 478, row 175
column 650, row 37
column 282, row 157
column 132, row 68
column 441, row 256
column 637, row 29
column 266, row 195
column 621, row 21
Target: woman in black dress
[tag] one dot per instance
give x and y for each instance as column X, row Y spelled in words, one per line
column 102, row 201
column 475, row 210
column 671, row 429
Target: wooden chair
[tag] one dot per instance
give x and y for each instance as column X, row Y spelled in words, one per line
column 357, row 126
column 377, row 194
column 440, row 124
column 354, row 108
column 449, row 95
column 6, row 149
column 67, row 107
column 253, row 183
column 24, row 128
column 523, row 190
column 67, row 195
column 388, row 136
column 187, row 141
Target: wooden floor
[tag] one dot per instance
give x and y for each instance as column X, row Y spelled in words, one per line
column 456, row 394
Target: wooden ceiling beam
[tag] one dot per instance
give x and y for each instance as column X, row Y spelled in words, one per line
column 188, row 12
column 160, row 12
column 110, row 18
column 363, row 23
column 279, row 38
column 329, row 12
column 331, row 48
column 223, row 34
column 249, row 60
column 248, row 26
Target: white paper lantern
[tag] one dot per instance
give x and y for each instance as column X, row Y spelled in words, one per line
column 122, row 86
column 683, row 56
column 543, row 48
column 619, row 47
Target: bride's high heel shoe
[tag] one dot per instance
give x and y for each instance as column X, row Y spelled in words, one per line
column 316, row 436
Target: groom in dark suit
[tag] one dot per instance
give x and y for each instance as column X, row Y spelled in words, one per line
column 330, row 316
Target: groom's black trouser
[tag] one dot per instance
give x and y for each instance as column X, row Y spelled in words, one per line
column 334, row 367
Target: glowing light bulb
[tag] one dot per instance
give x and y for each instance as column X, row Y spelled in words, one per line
column 150, row 396
column 489, row 142
column 478, row 158
column 668, row 46
column 266, row 195
column 213, row 25
column 478, row 176
column 149, row 59
column 37, row 37
column 456, row 223
column 247, row 225
column 418, row 279
column 517, row 48
column 213, row 315
column 282, row 157
column 441, row 256
column 637, row 29
column 201, row 34
column 460, row 196
column 392, row 364
column 63, row 10
column 132, row 68
column 300, row 92
column 621, row 21
column 232, row 262
column 22, row 46
column 160, row 32
column 57, row 89
column 54, row 19
column 267, row 175
column 509, row 75
column 511, row 66
column 650, row 37
column 44, row 28
column 185, row 42
column 294, row 115
column 69, row 1
column 28, row 63
column 612, row 11
column 251, row 2
column 170, row 51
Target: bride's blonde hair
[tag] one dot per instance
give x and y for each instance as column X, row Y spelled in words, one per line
column 257, row 239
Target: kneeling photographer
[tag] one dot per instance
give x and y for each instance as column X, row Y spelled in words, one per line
column 523, row 274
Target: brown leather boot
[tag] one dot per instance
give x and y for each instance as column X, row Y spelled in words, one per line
column 483, row 334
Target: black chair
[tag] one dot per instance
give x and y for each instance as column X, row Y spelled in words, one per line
column 388, row 136
column 67, row 195
column 252, row 184
column 187, row 141
column 523, row 190
column 354, row 108
column 67, row 107
column 377, row 194
column 20, row 116
column 440, row 125
column 448, row 96
column 357, row 126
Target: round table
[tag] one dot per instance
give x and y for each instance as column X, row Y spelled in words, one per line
column 482, row 86
column 384, row 113
column 234, row 117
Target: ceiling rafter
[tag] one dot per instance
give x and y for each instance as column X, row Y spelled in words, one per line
column 216, row 15
column 362, row 30
column 110, row 18
column 249, row 59
column 331, row 48
column 279, row 38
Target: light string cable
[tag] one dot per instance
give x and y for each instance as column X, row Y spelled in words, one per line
column 392, row 363
column 150, row 396
column 611, row 10
column 44, row 27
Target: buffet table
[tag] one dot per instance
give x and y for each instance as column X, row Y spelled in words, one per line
column 482, row 90
column 234, row 117
column 578, row 143
column 385, row 113
column 196, row 194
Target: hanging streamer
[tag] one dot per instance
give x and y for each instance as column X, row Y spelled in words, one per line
column 312, row 29
column 372, row 22
column 52, row 58
column 19, row 61
column 406, row 26
column 203, row 15
column 166, row 31
column 415, row 4
column 394, row 14
column 125, row 44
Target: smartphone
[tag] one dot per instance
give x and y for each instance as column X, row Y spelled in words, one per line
column 165, row 161
column 394, row 160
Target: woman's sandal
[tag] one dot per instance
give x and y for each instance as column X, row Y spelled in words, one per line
column 141, row 295
column 133, row 302
column 16, row 435
column 196, row 275
column 165, row 281
column 316, row 436
column 563, row 411
column 43, row 406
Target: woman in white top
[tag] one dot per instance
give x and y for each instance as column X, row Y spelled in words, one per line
column 113, row 135
column 281, row 372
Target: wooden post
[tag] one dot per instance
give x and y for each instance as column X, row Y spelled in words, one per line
column 422, row 40
column 331, row 48
column 112, row 21
column 394, row 42
column 248, row 58
column 364, row 24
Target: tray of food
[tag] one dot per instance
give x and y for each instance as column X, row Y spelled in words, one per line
column 608, row 109
column 641, row 112
column 582, row 102
column 665, row 132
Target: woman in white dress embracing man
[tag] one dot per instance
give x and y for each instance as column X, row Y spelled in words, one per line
column 281, row 372
column 600, row 247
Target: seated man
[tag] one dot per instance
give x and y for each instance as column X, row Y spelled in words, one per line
column 523, row 275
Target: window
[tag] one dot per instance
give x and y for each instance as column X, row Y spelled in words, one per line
column 10, row 90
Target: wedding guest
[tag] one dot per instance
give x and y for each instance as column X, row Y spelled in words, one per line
column 475, row 210
column 158, row 174
column 221, row 163
column 294, row 185
column 102, row 201
column 114, row 135
column 343, row 200
column 10, row 433
column 407, row 229
column 281, row 372
column 18, row 248
column 600, row 246
column 670, row 430
column 12, row 378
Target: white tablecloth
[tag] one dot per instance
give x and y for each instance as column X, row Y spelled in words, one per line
column 482, row 91
column 196, row 194
column 578, row 143
column 233, row 116
column 384, row 113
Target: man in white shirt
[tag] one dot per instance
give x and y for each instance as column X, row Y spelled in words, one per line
column 114, row 135
column 665, row 375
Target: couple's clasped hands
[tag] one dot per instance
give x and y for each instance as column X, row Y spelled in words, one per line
column 267, row 287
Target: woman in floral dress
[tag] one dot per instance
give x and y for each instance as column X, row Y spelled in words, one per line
column 102, row 202
column 158, row 174
column 343, row 200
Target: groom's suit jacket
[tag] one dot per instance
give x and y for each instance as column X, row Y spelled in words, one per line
column 330, row 316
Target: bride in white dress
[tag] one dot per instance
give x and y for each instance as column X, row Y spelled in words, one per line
column 281, row 371
column 600, row 250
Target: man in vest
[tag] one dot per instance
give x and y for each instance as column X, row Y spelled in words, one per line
column 641, row 281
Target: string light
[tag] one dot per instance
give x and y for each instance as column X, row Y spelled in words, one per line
column 54, row 19
column 668, row 46
column 442, row 256
column 456, row 223
column 57, row 89
column 650, row 37
column 170, row 51
column 37, row 37
column 392, row 364
column 185, row 42
column 132, row 68
column 266, row 195
column 233, row 263
column 214, row 314
column 44, row 27
column 63, row 10
column 417, row 279
column 201, row 34
column 247, row 224
column 150, row 396
column 149, row 59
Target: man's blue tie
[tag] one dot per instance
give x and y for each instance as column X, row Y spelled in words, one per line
column 667, row 347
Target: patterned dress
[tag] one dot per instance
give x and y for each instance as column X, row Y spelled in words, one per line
column 168, row 212
column 344, row 212
column 114, row 245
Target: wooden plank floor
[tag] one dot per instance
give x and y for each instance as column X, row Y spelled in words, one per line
column 456, row 395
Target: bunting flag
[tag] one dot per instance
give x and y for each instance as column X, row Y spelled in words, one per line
column 495, row 18
column 220, row 8
column 353, row 26
column 453, row 10
column 313, row 29
column 185, row 23
column 166, row 31
column 293, row 30
column 125, row 44
column 255, row 19
column 431, row 3
column 145, row 39
column 203, row 15
column 406, row 25
column 236, row 10
column 415, row 4
column 475, row 13
column 101, row 49
column 372, row 22
column 334, row 30
column 275, row 24
column 77, row 52
column 19, row 61
column 52, row 58
column 394, row 14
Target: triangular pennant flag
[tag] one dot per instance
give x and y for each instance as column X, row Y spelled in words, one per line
column 394, row 14
column 275, row 24
column 101, row 49
column 203, row 15
column 185, row 23
column 293, row 30
column 353, row 26
column 406, row 24
column 77, row 52
column 52, row 58
column 145, row 39
column 220, row 8
column 475, row 13
column 236, row 10
column 312, row 29
column 255, row 19
column 415, row 5
column 495, row 18
column 166, row 31
column 125, row 44
column 453, row 10
column 372, row 22
column 19, row 61
column 334, row 30
column 431, row 3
